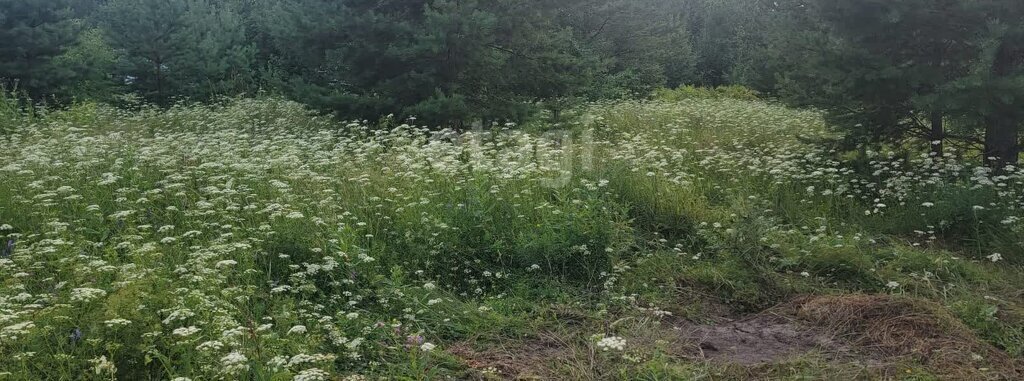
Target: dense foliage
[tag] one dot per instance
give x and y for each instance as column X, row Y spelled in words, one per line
column 444, row 61
column 935, row 69
column 921, row 73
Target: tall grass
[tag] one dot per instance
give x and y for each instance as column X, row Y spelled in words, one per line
column 257, row 240
column 16, row 111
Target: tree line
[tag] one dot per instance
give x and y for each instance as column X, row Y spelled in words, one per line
column 934, row 71
column 888, row 72
column 441, row 60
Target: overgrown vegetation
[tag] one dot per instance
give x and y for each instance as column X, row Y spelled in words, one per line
column 511, row 189
column 256, row 240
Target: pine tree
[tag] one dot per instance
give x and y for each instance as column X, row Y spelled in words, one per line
column 881, row 67
column 32, row 34
column 723, row 32
column 992, row 92
column 641, row 45
column 190, row 48
column 446, row 62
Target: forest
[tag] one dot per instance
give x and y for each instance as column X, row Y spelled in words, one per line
column 887, row 71
column 354, row 190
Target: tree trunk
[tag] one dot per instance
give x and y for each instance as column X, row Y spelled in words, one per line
column 1001, row 148
column 159, row 81
column 1002, row 128
column 938, row 133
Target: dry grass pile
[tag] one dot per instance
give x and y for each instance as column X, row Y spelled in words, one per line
column 898, row 327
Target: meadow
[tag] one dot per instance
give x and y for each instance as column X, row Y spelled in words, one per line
column 257, row 240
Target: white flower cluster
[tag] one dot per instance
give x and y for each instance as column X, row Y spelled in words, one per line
column 86, row 294
column 234, row 363
column 611, row 343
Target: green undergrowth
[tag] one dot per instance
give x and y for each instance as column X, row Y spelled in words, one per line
column 257, row 240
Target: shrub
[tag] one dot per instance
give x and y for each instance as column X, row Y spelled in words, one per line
column 737, row 92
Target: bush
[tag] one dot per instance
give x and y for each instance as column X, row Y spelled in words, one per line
column 737, row 92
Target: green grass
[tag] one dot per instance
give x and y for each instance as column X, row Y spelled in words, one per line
column 256, row 240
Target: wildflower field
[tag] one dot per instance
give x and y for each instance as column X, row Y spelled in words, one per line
column 255, row 240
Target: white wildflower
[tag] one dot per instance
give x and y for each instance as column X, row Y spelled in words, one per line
column 86, row 294
column 311, row 374
column 117, row 322
column 210, row 346
column 233, row 363
column 103, row 366
column 612, row 343
column 185, row 331
column 225, row 263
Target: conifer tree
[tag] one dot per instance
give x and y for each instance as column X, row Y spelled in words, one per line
column 188, row 48
column 32, row 34
column 894, row 70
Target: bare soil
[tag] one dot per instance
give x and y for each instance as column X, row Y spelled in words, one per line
column 872, row 332
column 520, row 361
column 759, row 339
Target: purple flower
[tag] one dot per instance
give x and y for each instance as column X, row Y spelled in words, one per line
column 75, row 335
column 414, row 341
column 7, row 249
